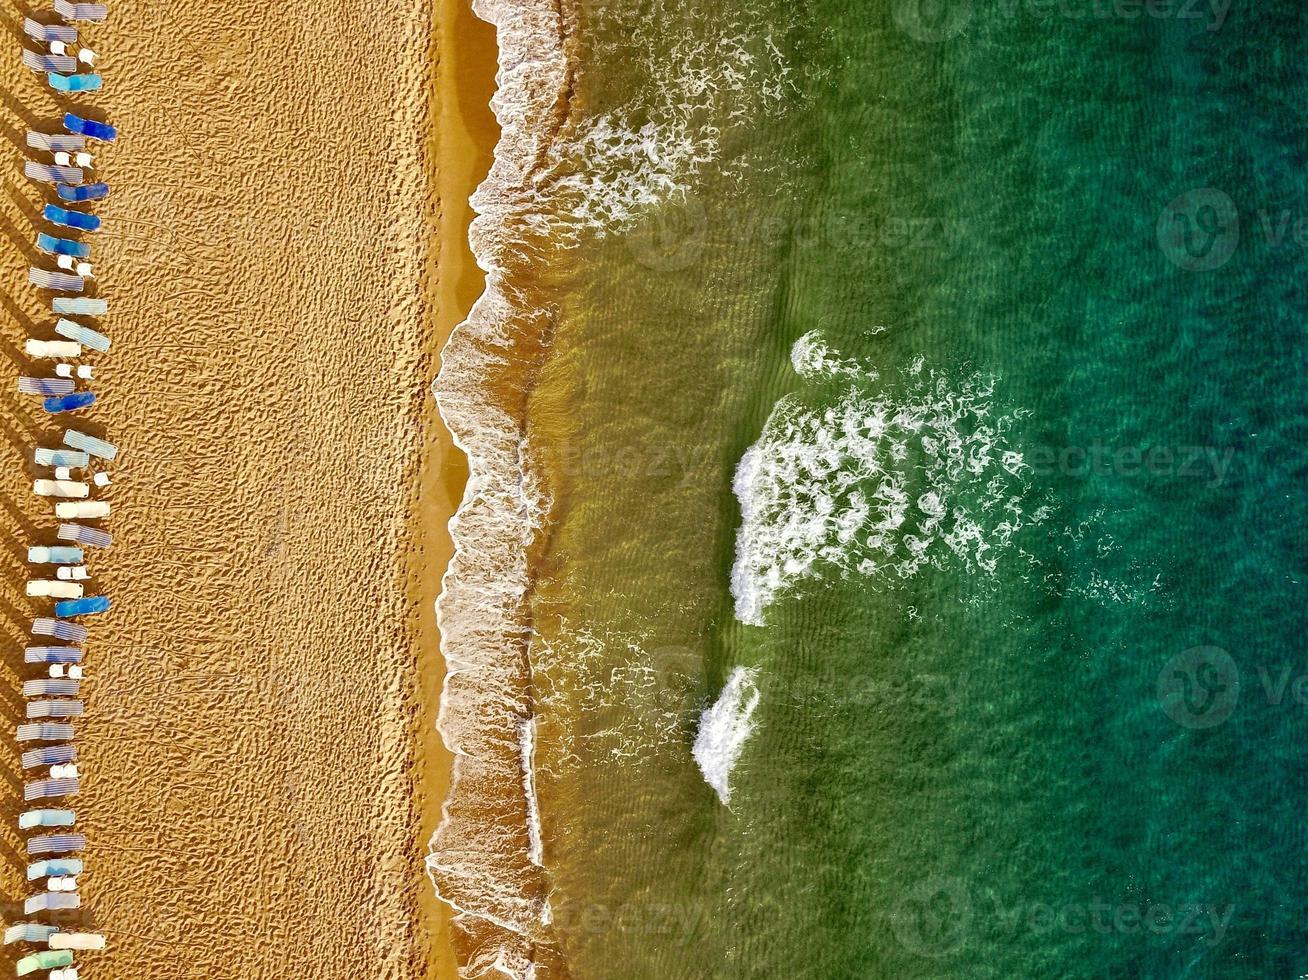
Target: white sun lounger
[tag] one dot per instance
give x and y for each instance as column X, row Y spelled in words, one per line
column 66, row 554
column 60, row 629
column 83, row 305
column 81, row 510
column 51, row 687
column 92, row 941
column 51, row 901
column 53, row 348
column 56, row 142
column 49, row 32
column 49, row 755
column 54, row 708
column 63, row 281
column 31, row 819
column 45, row 588
column 61, row 488
column 47, row 173
column 92, row 536
column 81, row 11
column 43, row 788
column 54, row 868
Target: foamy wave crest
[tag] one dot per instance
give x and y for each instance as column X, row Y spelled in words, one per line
column 485, row 856
column 723, row 730
column 882, row 480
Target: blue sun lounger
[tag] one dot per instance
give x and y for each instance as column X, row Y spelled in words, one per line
column 89, row 128
column 69, row 403
column 55, row 142
column 85, row 192
column 44, row 788
column 81, row 11
column 49, row 755
column 61, row 281
column 49, row 62
column 48, row 173
column 71, row 219
column 85, row 336
column 45, row 731
column 49, row 32
column 75, row 305
column 54, row 868
column 56, row 843
column 45, row 386
column 90, row 82
column 62, row 246
column 58, row 628
column 52, row 655
column 88, row 606
column 31, row 819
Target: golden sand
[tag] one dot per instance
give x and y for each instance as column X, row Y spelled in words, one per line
column 283, row 258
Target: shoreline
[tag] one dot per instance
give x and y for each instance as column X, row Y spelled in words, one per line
column 464, row 59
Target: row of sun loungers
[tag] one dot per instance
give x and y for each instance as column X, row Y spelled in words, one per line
column 68, row 475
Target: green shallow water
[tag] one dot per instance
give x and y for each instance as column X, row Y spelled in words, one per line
column 1087, row 762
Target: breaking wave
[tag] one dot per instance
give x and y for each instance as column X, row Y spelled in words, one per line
column 723, row 730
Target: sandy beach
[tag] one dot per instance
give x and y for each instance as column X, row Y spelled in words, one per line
column 283, row 258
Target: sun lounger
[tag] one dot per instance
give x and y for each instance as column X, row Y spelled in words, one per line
column 85, row 336
column 48, row 959
column 31, row 819
column 82, row 510
column 75, row 194
column 62, row 281
column 92, row 941
column 56, row 843
column 45, row 386
column 53, row 655
column 62, row 457
column 54, row 709
column 52, row 348
column 48, row 173
column 48, row 62
column 55, row 142
column 55, row 554
column 43, row 788
column 54, row 589
column 49, row 32
column 90, row 444
column 29, row 932
column 62, row 246
column 69, row 403
column 49, row 755
column 81, row 11
column 45, row 731
column 71, row 219
column 54, row 868
column 73, row 305
column 61, row 488
column 89, row 606
column 92, row 536
column 89, row 82
column 60, row 630
column 50, row 902
column 51, row 687
column 89, row 128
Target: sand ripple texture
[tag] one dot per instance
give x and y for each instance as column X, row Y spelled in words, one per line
column 252, row 705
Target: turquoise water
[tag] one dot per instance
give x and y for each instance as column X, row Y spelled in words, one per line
column 919, row 587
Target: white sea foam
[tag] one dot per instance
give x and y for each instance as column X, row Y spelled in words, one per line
column 723, row 730
column 881, row 481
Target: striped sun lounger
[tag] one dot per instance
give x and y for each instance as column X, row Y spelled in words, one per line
column 92, row 536
column 85, row 336
column 89, row 82
column 63, row 281
column 58, row 628
column 52, row 655
column 49, row 755
column 46, row 731
column 61, row 457
column 56, row 843
column 71, row 219
column 55, row 142
column 81, row 11
column 54, row 868
column 29, row 932
column 90, row 444
column 50, row 902
column 31, row 819
column 62, row 246
column 49, row 32
column 49, row 62
column 48, row 173
column 54, row 708
column 63, row 687
column 45, row 386
column 83, row 305
column 85, row 192
column 45, row 788
column 89, row 128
